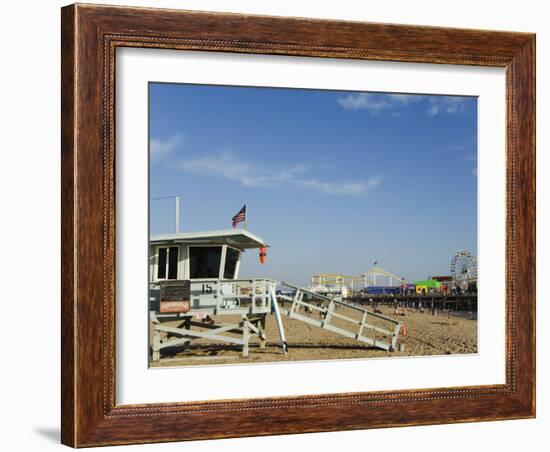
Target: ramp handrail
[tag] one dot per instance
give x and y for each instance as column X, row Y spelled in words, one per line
column 328, row 311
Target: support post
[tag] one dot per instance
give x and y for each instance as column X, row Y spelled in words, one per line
column 395, row 336
column 328, row 316
column 295, row 300
column 187, row 326
column 246, row 335
column 177, row 214
column 253, row 296
column 278, row 318
column 261, row 327
column 156, row 345
column 363, row 321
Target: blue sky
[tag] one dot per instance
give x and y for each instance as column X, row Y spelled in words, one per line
column 333, row 180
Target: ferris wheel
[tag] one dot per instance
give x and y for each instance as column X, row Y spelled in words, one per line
column 463, row 268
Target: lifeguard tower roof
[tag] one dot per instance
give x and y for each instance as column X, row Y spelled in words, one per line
column 239, row 238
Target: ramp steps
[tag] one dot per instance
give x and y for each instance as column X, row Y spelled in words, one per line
column 326, row 308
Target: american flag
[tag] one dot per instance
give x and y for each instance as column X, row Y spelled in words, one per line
column 240, row 216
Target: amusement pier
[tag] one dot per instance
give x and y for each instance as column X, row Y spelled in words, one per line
column 456, row 292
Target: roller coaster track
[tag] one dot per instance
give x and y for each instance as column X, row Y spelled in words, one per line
column 368, row 278
column 371, row 275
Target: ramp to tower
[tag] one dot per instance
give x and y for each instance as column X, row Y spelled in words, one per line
column 342, row 318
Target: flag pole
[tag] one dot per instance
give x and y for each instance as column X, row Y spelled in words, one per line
column 245, row 217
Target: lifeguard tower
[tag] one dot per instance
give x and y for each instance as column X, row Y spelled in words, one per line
column 194, row 276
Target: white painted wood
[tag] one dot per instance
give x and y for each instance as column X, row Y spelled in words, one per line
column 279, row 319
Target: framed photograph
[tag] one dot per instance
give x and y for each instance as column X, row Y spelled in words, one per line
column 281, row 225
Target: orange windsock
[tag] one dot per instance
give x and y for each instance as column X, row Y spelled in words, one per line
column 263, row 254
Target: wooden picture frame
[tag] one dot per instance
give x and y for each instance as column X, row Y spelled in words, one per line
column 90, row 36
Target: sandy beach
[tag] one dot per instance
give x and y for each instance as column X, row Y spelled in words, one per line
column 426, row 334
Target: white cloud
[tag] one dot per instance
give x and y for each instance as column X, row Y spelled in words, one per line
column 161, row 148
column 404, row 99
column 456, row 147
column 228, row 166
column 464, row 151
column 376, row 102
column 364, row 101
column 445, row 105
column 467, row 150
column 341, row 188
